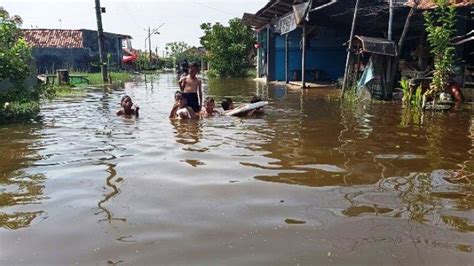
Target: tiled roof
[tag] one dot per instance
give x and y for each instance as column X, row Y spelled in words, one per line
column 427, row 4
column 52, row 38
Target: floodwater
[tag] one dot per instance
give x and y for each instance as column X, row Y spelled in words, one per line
column 312, row 182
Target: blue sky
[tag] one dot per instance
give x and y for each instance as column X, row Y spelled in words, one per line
column 182, row 18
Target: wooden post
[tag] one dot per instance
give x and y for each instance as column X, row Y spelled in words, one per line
column 100, row 35
column 286, row 58
column 267, row 67
column 259, row 56
column 63, row 76
column 303, row 58
column 346, row 72
column 396, row 60
column 390, row 21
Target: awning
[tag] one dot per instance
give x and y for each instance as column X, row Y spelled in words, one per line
column 377, row 45
column 273, row 9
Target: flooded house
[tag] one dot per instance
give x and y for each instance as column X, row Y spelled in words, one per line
column 74, row 49
column 306, row 42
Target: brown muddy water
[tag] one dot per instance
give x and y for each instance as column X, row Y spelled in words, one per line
column 313, row 182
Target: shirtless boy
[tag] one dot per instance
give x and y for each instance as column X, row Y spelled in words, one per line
column 191, row 87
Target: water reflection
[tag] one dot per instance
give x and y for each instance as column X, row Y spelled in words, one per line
column 17, row 186
column 112, row 184
column 187, row 131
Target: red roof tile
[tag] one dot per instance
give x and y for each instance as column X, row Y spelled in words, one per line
column 46, row 38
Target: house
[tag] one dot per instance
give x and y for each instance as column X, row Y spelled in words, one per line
column 74, row 49
column 306, row 41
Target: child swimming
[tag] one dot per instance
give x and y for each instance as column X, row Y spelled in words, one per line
column 127, row 107
column 180, row 108
column 209, row 106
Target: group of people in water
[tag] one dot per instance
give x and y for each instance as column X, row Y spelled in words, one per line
column 189, row 100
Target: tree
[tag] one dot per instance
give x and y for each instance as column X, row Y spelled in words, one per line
column 15, row 55
column 176, row 49
column 441, row 28
column 229, row 49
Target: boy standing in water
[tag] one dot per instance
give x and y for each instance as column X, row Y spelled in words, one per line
column 191, row 87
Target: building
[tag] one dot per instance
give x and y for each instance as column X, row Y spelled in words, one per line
column 306, row 41
column 73, row 49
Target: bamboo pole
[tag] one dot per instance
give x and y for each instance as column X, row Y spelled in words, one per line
column 303, row 58
column 346, row 72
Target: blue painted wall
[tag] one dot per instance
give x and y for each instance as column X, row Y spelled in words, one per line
column 326, row 54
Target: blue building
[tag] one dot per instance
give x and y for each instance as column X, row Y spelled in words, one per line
column 307, row 40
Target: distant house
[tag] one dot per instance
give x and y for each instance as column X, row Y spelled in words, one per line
column 74, row 49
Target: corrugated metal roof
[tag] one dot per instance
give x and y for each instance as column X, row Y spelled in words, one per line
column 427, row 4
column 377, row 45
column 53, row 38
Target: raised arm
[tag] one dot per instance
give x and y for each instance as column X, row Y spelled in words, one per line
column 173, row 111
column 200, row 93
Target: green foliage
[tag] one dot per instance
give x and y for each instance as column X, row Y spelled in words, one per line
column 441, row 28
column 117, row 77
column 16, row 102
column 408, row 97
column 418, row 99
column 17, row 111
column 15, row 55
column 230, row 49
column 407, row 93
column 178, row 51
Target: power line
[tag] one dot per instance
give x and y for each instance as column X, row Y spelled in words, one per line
column 213, row 8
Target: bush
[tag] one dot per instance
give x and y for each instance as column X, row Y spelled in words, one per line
column 441, row 28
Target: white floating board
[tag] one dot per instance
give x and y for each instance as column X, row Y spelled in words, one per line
column 246, row 108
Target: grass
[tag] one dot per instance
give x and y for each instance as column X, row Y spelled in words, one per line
column 65, row 91
column 117, row 77
column 18, row 111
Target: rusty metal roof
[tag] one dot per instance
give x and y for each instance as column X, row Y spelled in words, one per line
column 53, row 38
column 427, row 4
column 377, row 45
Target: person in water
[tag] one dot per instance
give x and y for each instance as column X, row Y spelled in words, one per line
column 227, row 104
column 191, row 87
column 180, row 108
column 209, row 106
column 258, row 111
column 127, row 107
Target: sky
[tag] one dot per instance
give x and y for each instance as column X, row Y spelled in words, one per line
column 181, row 18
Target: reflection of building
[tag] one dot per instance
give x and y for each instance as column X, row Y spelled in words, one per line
column 74, row 49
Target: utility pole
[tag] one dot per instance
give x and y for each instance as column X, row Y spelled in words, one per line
column 149, row 43
column 150, row 33
column 100, row 35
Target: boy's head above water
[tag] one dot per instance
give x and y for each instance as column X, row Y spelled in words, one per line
column 255, row 99
column 209, row 104
column 126, row 102
column 227, row 104
column 180, row 99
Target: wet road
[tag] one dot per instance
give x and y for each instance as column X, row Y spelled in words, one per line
column 313, row 181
